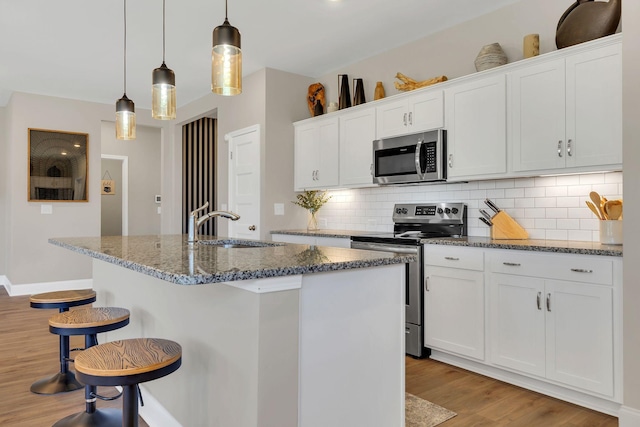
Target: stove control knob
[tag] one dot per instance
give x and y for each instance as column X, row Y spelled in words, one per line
column 447, row 211
column 404, row 211
column 398, row 210
column 454, row 210
column 440, row 211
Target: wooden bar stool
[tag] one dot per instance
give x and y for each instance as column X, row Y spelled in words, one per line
column 90, row 322
column 128, row 363
column 64, row 380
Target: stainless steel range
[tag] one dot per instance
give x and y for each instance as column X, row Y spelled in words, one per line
column 414, row 222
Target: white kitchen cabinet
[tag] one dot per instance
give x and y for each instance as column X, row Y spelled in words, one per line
column 316, row 161
column 410, row 114
column 454, row 300
column 357, row 133
column 560, row 330
column 475, row 117
column 566, row 112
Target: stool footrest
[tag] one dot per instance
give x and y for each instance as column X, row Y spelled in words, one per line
column 100, row 418
column 78, row 349
column 106, row 398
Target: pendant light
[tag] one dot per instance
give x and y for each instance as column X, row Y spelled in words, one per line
column 125, row 109
column 226, row 59
column 164, row 85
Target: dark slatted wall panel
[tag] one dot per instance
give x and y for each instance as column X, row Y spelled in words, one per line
column 198, row 169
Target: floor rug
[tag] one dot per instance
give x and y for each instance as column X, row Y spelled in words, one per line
column 422, row 413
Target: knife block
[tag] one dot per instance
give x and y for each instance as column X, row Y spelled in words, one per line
column 506, row 228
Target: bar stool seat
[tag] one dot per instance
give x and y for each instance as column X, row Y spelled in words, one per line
column 64, row 380
column 90, row 322
column 128, row 363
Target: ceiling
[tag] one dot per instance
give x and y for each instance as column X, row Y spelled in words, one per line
column 74, row 48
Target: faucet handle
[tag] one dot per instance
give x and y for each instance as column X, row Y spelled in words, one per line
column 201, row 208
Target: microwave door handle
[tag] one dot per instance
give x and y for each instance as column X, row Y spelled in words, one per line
column 418, row 160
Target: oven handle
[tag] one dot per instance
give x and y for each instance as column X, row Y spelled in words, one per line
column 417, row 159
column 413, row 250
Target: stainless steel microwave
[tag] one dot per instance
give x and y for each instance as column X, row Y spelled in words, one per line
column 413, row 158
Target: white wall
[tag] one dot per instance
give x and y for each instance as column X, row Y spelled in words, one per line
column 30, row 258
column 144, row 174
column 3, row 187
column 111, row 203
column 631, row 136
column 547, row 207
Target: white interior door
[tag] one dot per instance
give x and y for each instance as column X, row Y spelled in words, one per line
column 244, row 181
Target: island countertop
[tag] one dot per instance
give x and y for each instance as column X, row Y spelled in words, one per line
column 170, row 258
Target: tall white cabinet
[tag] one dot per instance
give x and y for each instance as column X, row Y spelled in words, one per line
column 567, row 112
column 316, row 154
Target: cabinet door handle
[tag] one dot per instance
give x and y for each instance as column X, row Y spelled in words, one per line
column 450, row 258
column 317, row 174
column 548, row 302
column 512, row 264
column 539, row 300
column 404, row 119
column 560, row 148
column 450, row 160
column 410, row 118
column 581, row 270
column 252, row 228
column 371, row 169
column 426, row 284
column 569, row 148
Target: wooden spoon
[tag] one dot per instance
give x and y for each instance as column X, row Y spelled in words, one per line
column 613, row 209
column 595, row 198
column 593, row 209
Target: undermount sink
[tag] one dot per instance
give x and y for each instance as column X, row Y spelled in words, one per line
column 238, row 244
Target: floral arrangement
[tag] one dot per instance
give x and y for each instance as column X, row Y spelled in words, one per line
column 312, row 200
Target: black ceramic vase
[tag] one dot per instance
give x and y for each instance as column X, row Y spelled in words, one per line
column 358, row 92
column 345, row 95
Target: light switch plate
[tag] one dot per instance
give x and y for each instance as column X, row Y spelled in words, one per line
column 159, row 210
column 46, row 209
column 278, row 208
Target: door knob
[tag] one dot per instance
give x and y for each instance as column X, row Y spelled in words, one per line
column 252, row 228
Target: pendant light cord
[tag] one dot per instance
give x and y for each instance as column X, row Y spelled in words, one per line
column 226, row 9
column 163, row 28
column 125, row 46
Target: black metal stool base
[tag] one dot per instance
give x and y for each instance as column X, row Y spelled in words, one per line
column 59, row 383
column 100, row 418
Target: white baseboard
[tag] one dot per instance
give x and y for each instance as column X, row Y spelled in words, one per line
column 37, row 288
column 628, row 417
column 153, row 413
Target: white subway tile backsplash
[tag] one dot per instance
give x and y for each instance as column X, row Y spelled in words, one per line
column 547, row 207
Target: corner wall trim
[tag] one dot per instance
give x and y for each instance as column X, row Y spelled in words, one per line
column 36, row 288
column 628, row 417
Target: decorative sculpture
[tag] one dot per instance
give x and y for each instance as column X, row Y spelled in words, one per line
column 315, row 99
column 587, row 20
column 410, row 84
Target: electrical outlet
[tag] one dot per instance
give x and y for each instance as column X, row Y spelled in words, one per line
column 322, row 222
column 278, row 208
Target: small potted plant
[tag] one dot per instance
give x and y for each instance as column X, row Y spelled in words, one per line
column 312, row 200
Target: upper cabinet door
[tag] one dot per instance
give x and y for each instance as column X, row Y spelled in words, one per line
column 476, row 128
column 357, row 133
column 411, row 114
column 536, row 116
column 316, row 154
column 594, row 107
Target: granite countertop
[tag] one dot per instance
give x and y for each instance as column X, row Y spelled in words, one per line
column 169, row 257
column 559, row 246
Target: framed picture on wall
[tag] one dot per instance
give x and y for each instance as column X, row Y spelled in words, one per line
column 58, row 166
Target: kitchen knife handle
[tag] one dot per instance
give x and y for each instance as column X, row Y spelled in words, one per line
column 486, row 221
column 492, row 205
column 485, row 214
column 560, row 148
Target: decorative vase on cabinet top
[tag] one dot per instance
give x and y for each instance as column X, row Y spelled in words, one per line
column 358, row 92
column 378, row 93
column 344, row 101
column 490, row 56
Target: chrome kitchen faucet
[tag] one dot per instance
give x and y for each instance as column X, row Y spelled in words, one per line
column 195, row 222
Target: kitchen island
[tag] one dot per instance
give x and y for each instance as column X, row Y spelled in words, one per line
column 273, row 335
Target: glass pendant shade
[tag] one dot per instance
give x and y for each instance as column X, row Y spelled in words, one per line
column 163, row 93
column 226, row 60
column 125, row 119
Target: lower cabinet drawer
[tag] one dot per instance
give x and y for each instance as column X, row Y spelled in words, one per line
column 454, row 257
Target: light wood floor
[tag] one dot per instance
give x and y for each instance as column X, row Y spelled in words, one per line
column 29, row 352
column 481, row 401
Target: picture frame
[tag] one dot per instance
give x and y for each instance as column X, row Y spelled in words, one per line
column 58, row 166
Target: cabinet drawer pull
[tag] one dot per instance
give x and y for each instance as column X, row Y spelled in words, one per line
column 560, row 148
column 512, row 264
column 450, row 258
column 581, row 270
column 539, row 300
column 548, row 302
